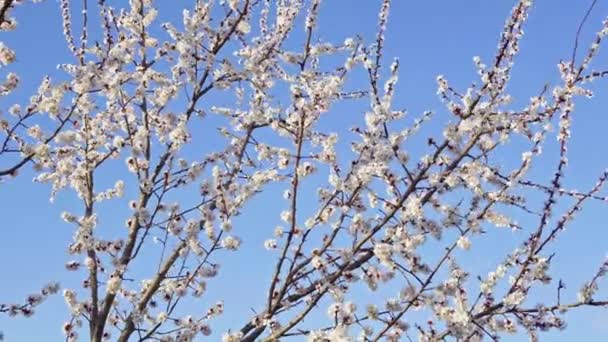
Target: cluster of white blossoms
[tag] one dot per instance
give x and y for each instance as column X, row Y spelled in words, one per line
column 27, row 308
column 185, row 123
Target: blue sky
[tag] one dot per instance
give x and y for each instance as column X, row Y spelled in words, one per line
column 430, row 37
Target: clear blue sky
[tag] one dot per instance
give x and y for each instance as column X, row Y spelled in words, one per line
column 430, row 37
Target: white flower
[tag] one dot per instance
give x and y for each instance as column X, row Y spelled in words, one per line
column 162, row 317
column 384, row 252
column 514, row 298
column 243, row 27
column 119, row 187
column 270, row 244
column 333, row 310
column 586, row 293
column 231, row 243
column 232, row 337
column 349, row 43
column 339, row 334
column 7, row 55
column 67, row 217
column 226, row 226
column 286, row 216
column 179, row 135
column 35, row 132
column 233, row 4
column 72, row 265
column 318, row 262
column 113, row 284
column 305, row 169
column 464, row 243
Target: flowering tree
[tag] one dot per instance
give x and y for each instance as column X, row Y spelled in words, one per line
column 142, row 121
